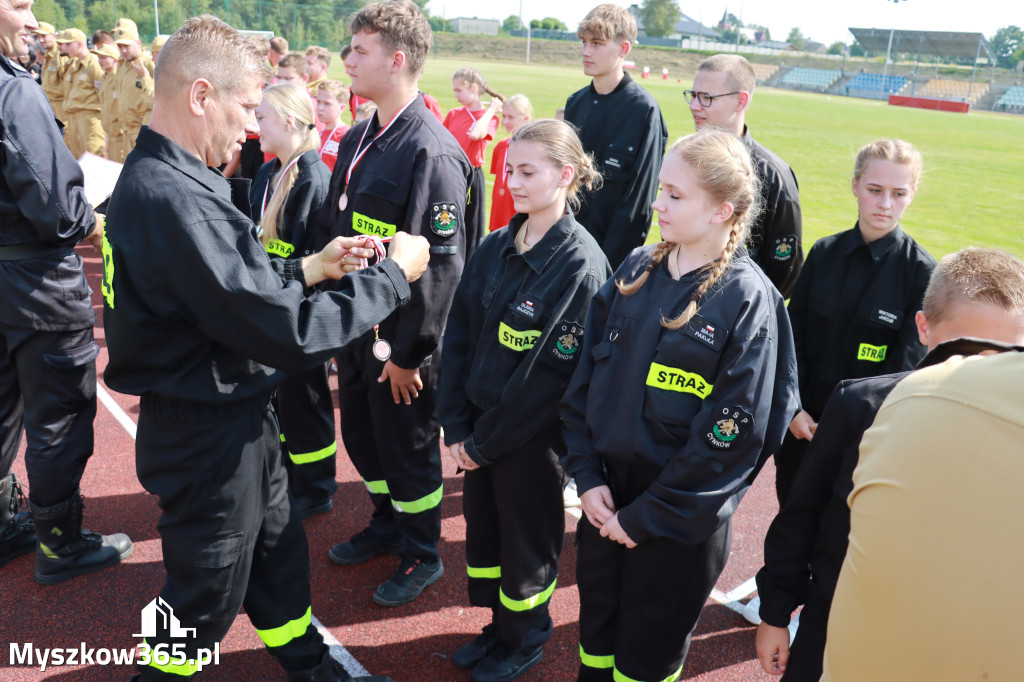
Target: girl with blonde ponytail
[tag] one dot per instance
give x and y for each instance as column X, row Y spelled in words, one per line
column 511, row 342
column 474, row 125
column 686, row 383
column 285, row 196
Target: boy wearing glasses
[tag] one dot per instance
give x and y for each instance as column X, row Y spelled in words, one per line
column 621, row 125
column 721, row 95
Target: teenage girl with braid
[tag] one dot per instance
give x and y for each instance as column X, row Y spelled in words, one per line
column 474, row 125
column 686, row 383
column 285, row 196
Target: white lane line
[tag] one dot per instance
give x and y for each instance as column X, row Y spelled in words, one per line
column 338, row 651
column 115, row 409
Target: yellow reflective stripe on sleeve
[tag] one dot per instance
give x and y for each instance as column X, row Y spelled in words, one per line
column 186, row 669
column 487, row 572
column 307, row 457
column 619, row 677
column 674, row 379
column 517, row 341
column 276, row 247
column 598, row 662
column 528, row 603
column 107, row 282
column 377, row 487
column 366, row 225
column 871, row 353
column 421, row 505
column 280, row 636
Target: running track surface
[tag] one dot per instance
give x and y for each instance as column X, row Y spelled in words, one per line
column 410, row 643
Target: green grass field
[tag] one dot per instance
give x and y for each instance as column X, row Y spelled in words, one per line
column 972, row 192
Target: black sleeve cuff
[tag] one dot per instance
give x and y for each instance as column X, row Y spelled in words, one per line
column 398, row 280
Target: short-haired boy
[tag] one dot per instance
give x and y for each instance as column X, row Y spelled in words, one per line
column 331, row 102
column 317, row 60
column 974, row 303
column 622, row 126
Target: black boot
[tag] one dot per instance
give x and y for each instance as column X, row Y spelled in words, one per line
column 17, row 532
column 329, row 670
column 65, row 550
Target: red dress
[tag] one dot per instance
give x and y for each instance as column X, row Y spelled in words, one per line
column 502, row 206
column 459, row 121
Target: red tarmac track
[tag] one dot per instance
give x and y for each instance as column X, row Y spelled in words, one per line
column 410, row 643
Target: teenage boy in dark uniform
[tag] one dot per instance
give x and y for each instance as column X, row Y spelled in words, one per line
column 399, row 171
column 622, row 126
column 198, row 320
column 974, row 294
column 722, row 91
column 47, row 352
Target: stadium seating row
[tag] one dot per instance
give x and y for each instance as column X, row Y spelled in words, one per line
column 811, row 78
column 763, row 72
column 876, row 82
column 1012, row 98
column 944, row 88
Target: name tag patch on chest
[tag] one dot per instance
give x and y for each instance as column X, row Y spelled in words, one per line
column 871, row 353
column 516, row 340
column 377, row 228
column 678, row 380
column 528, row 308
column 711, row 335
column 888, row 318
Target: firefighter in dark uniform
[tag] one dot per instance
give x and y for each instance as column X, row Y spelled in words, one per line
column 398, row 171
column 723, row 89
column 304, row 405
column 973, row 293
column 512, row 340
column 621, row 124
column 854, row 303
column 685, row 385
column 47, row 352
column 198, row 321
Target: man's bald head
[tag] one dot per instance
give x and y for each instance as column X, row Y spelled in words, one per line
column 207, row 48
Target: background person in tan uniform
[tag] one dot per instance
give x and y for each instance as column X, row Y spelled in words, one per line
column 158, row 44
column 278, row 49
column 81, row 96
column 107, row 55
column 317, row 60
column 54, row 64
column 134, row 86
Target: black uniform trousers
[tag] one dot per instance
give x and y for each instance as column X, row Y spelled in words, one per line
column 305, row 410
column 48, row 387
column 787, row 463
column 228, row 534
column 807, row 653
column 515, row 525
column 638, row 607
column 395, row 448
column 476, row 211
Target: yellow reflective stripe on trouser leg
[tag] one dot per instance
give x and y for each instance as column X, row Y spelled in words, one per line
column 186, row 669
column 597, row 662
column 293, row 629
column 377, row 487
column 619, row 677
column 528, row 603
column 484, row 572
column 421, row 505
column 307, row 457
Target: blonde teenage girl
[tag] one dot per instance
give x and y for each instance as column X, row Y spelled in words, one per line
column 511, row 342
column 285, row 196
column 686, row 382
column 516, row 111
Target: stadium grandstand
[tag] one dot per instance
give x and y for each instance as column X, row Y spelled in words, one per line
column 810, row 79
column 1011, row 101
column 762, row 72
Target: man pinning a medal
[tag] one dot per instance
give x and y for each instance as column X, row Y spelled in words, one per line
column 398, row 171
